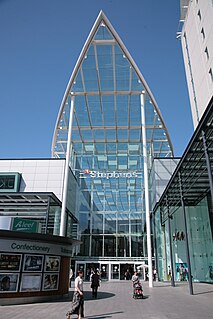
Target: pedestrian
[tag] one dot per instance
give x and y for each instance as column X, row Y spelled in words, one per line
column 154, row 274
column 71, row 275
column 95, row 283
column 77, row 306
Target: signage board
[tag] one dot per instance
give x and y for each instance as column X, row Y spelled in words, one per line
column 10, row 182
column 110, row 174
column 34, row 247
column 24, row 225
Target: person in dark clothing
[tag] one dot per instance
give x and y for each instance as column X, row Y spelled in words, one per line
column 95, row 283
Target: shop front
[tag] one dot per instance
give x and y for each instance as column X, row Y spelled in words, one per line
column 111, row 270
column 32, row 265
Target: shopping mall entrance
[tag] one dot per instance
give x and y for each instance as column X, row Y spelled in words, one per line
column 110, row 270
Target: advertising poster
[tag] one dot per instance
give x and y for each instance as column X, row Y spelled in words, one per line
column 8, row 282
column 31, row 282
column 9, row 262
column 33, row 263
column 50, row 281
column 211, row 272
column 52, row 263
column 181, row 271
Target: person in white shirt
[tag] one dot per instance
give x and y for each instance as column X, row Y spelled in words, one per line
column 77, row 306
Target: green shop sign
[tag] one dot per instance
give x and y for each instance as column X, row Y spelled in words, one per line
column 24, row 225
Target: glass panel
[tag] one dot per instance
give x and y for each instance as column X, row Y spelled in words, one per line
column 123, row 246
column 104, row 271
column 109, row 223
column 103, row 33
column 97, row 223
column 137, row 246
column 109, row 246
column 108, row 110
column 115, row 271
column 97, row 245
column 123, row 223
column 84, row 247
column 122, row 110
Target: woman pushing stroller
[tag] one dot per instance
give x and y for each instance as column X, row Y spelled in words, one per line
column 137, row 287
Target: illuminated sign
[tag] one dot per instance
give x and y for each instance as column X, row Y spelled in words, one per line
column 9, row 182
column 113, row 174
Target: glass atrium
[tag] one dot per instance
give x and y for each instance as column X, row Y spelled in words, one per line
column 107, row 144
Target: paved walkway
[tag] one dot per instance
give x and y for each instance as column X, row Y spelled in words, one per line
column 115, row 301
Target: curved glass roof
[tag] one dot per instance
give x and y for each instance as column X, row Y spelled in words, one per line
column 107, row 132
column 107, row 85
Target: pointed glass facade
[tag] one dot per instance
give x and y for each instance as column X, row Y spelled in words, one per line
column 107, row 144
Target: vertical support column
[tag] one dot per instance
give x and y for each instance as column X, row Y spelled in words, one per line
column 208, row 164
column 170, row 245
column 146, row 188
column 155, row 241
column 186, row 237
column 66, row 173
column 47, row 215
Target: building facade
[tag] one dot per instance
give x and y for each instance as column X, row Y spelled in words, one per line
column 183, row 219
column 196, row 32
column 34, row 259
column 183, row 216
column 109, row 129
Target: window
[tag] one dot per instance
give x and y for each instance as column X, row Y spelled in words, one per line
column 207, row 53
column 199, row 14
column 203, row 33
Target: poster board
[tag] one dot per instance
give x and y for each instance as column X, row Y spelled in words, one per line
column 31, row 282
column 33, row 263
column 52, row 263
column 50, row 281
column 10, row 262
column 8, row 282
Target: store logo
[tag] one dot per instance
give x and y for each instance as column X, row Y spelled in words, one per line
column 24, row 225
column 178, row 236
column 108, row 175
column 86, row 171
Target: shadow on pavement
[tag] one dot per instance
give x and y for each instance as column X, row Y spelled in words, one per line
column 203, row 292
column 103, row 316
column 101, row 295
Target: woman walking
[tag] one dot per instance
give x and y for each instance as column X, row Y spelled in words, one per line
column 77, row 306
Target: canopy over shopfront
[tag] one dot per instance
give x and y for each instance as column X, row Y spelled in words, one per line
column 190, row 185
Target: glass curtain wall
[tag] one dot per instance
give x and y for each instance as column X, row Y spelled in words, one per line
column 200, row 244
column 107, row 151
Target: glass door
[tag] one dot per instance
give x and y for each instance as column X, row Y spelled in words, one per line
column 115, row 271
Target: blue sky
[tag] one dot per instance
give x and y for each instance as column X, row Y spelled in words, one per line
column 40, row 42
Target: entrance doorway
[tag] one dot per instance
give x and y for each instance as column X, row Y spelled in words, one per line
column 126, row 271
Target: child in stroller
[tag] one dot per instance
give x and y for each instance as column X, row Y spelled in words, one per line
column 137, row 287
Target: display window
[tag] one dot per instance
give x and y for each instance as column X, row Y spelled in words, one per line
column 8, row 282
column 31, row 282
column 33, row 263
column 10, row 262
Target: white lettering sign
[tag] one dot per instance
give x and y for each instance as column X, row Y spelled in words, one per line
column 114, row 174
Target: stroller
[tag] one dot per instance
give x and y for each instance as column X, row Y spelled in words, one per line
column 137, row 289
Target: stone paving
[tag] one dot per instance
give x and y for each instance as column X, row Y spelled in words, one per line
column 115, row 301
